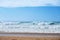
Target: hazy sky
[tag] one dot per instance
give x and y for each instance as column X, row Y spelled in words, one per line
column 29, row 10
column 28, row 3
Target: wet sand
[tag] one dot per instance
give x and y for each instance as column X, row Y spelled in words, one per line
column 29, row 36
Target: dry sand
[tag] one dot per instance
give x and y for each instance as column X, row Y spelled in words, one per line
column 28, row 38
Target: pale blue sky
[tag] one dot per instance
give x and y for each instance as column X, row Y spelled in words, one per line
column 28, row 3
column 43, row 13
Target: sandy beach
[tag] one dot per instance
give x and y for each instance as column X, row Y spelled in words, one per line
column 29, row 36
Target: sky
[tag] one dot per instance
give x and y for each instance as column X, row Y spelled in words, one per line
column 29, row 10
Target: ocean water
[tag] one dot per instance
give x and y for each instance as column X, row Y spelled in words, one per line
column 30, row 27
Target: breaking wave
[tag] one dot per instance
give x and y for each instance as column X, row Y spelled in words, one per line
column 30, row 26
